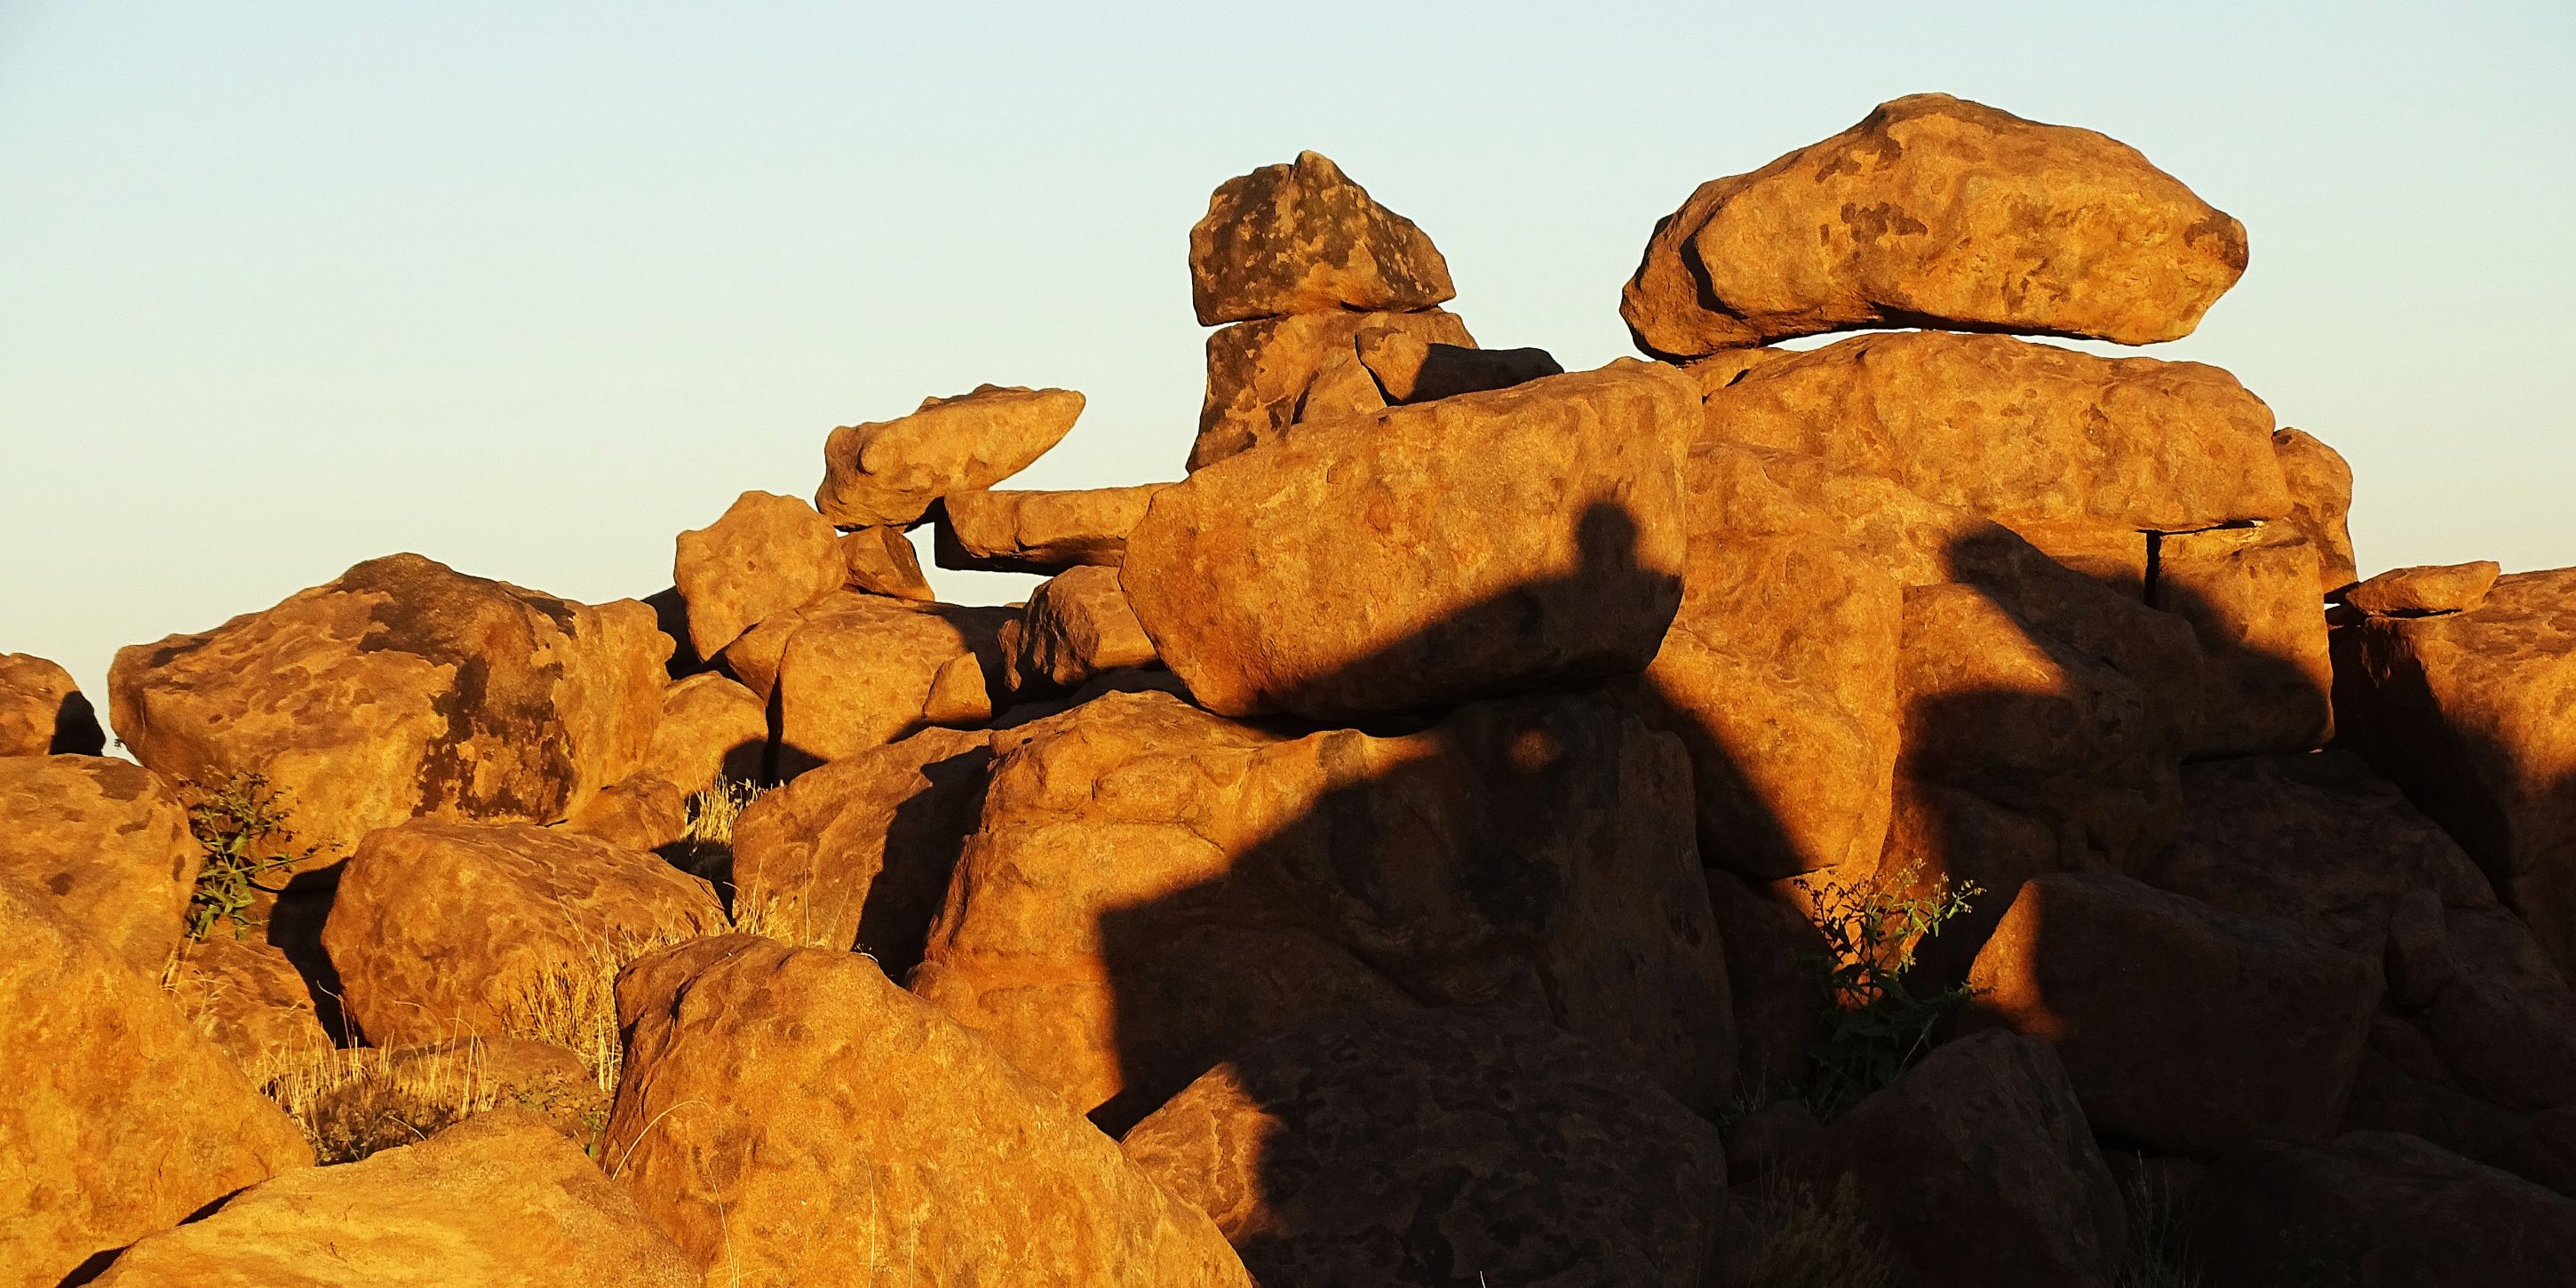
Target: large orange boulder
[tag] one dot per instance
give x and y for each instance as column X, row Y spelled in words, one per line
column 1302, row 238
column 246, row 994
column 42, row 712
column 1040, row 532
column 1077, row 625
column 402, row 689
column 1407, row 1149
column 441, row 929
column 1152, row 887
column 791, row 1117
column 500, row 1200
column 120, row 1120
column 864, row 671
column 766, row 554
column 889, row 472
column 712, row 728
column 2321, row 494
column 2250, row 594
column 1427, row 555
column 1935, row 211
column 107, row 842
column 2183, row 1027
column 1262, row 376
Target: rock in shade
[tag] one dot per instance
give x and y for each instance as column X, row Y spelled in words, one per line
column 120, row 1120
column 444, row 929
column 1077, row 625
column 1409, row 370
column 2321, row 492
column 888, row 472
column 1478, row 545
column 497, row 1201
column 2184, row 1028
column 42, row 712
column 1410, row 1149
column 1039, row 532
column 790, row 1117
column 869, row 670
column 711, row 728
column 401, row 689
column 2250, row 594
column 1259, row 373
column 881, row 561
column 2425, row 590
column 1935, row 211
column 107, row 843
column 766, row 554
column 1303, row 238
column 2375, row 1208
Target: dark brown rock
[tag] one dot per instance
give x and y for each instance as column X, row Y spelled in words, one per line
column 889, row 472
column 2377, row 1209
column 42, row 712
column 2425, row 590
column 766, row 554
column 1260, row 373
column 1303, row 238
column 1040, row 532
column 107, row 843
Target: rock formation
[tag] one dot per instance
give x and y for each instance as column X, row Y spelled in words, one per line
column 42, row 713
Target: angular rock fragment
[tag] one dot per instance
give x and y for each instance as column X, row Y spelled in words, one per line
column 2250, row 594
column 2375, row 1208
column 711, row 728
column 881, row 561
column 2424, row 591
column 1040, row 532
column 107, row 843
column 1259, row 373
column 866, row 671
column 1077, row 625
column 2321, row 489
column 638, row 812
column 42, row 712
column 765, row 555
column 888, row 472
column 1303, row 238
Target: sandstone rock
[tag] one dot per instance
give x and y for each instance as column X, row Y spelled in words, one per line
column 107, row 843
column 496, row 1200
column 1303, row 238
column 753, row 660
column 1941, row 212
column 857, row 853
column 2035, row 437
column 890, row 471
column 2375, row 1208
column 2321, row 493
column 42, row 712
column 790, row 1117
column 2423, row 591
column 1152, row 887
column 402, row 689
column 871, row 670
column 442, row 929
column 1477, row 545
column 1405, row 1148
column 1259, row 372
column 2468, row 713
column 766, row 554
column 638, row 812
column 1077, row 625
column 881, row 561
column 1771, row 956
column 1039, row 532
column 1979, row 1169
column 2250, row 594
column 120, row 1120
column 1343, row 389
column 2182, row 1027
column 711, row 728
column 1409, row 369
column 246, row 995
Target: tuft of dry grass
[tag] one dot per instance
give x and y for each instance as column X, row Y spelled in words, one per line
column 706, row 849
column 576, row 1007
column 1802, row 1241
column 2158, row 1255
column 352, row 1102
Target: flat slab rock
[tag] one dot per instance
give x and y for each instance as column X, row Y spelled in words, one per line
column 1302, row 238
column 2425, row 589
column 1039, row 532
column 889, row 472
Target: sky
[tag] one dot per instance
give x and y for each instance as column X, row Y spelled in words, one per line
column 531, row 287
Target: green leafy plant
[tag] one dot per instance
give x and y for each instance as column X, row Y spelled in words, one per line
column 242, row 824
column 1876, row 1025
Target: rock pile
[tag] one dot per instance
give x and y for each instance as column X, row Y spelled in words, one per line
column 1736, row 817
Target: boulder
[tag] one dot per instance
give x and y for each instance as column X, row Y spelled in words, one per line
column 1077, row 625
column 42, row 712
column 889, row 472
column 790, row 1117
column 2375, row 1208
column 1303, row 238
column 1977, row 1167
column 638, row 812
column 870, row 670
column 2183, row 1027
column 1151, row 887
column 1406, row 1149
column 1039, row 532
column 2410, row 1093
column 1935, row 211
column 766, row 554
column 107, row 843
column 712, row 728
column 246, row 994
column 857, row 853
column 499, row 1199
column 1408, row 369
column 2424, row 590
column 1773, row 954
column 2321, row 502
column 120, row 1119
column 1478, row 545
column 1259, row 373
column 442, row 929
column 2250, row 594
column 402, row 689
column 881, row 561
column 2468, row 712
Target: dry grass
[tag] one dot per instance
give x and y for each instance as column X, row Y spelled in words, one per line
column 1801, row 1241
column 2158, row 1257
column 354, row 1102
column 706, row 849
column 576, row 1007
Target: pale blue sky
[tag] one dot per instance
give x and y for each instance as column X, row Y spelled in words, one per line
column 530, row 287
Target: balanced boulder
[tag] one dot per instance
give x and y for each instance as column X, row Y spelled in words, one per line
column 891, row 471
column 1039, row 532
column 107, row 842
column 765, row 555
column 2425, row 590
column 42, row 712
column 1302, row 238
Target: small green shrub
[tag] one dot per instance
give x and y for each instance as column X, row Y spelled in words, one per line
column 1875, row 1023
column 243, row 826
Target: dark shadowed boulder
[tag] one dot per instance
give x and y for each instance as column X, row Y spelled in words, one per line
column 2375, row 1210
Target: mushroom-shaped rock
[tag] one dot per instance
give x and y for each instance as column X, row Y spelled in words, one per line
column 1077, row 625
column 1040, row 532
column 2321, row 491
column 2425, row 590
column 711, row 728
column 1302, row 238
column 1407, row 1149
column 42, row 712
column 791, row 1117
column 107, row 841
column 889, row 472
column 1260, row 374
column 866, row 671
column 1935, row 211
column 766, row 554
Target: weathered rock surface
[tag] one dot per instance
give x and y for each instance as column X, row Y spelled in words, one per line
column 2321, row 491
column 247, row 995
column 1408, row 369
column 2376, row 1208
column 2469, row 712
column 402, row 689
column 1478, row 545
column 107, row 843
column 444, row 929
column 790, row 1117
column 1303, row 238
column 858, row 853
column 766, row 554
column 42, row 712
column 1039, row 532
column 2250, row 594
column 1152, row 887
column 499, row 1199
column 888, row 472
column 2425, row 590
column 866, row 671
column 711, row 728
column 1934, row 211
column 1771, row 955
column 638, row 812
column 1978, row 1168
column 2183, row 1027
column 2404, row 1086
column 119, row 1120
column 1077, row 625
column 1259, row 373
column 881, row 561
column 1412, row 1148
